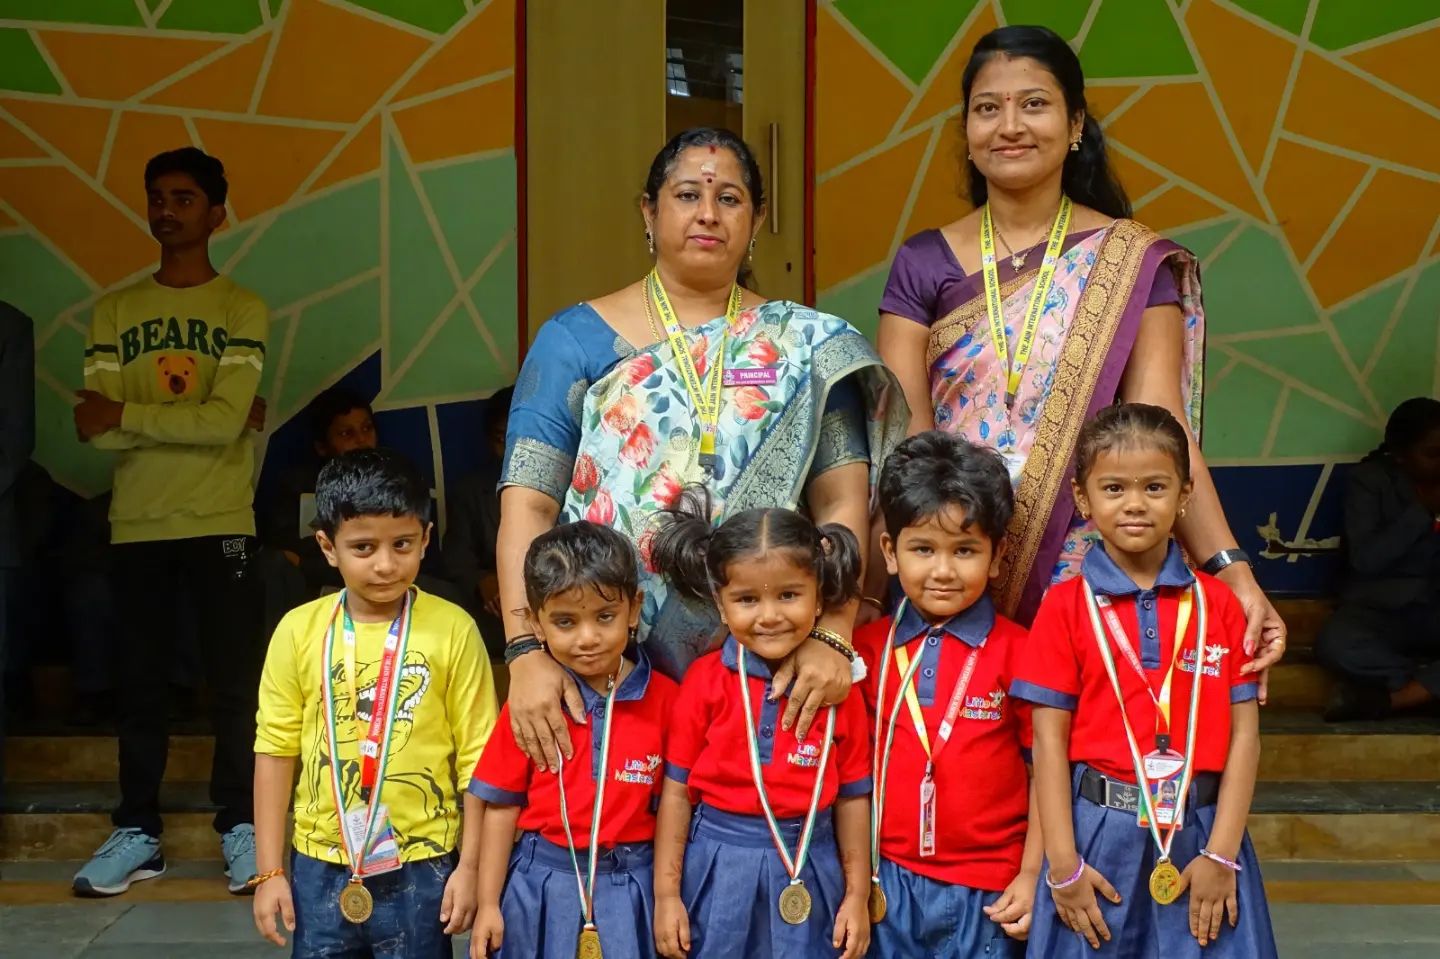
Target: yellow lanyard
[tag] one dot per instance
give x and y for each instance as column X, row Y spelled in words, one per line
column 705, row 397
column 995, row 309
column 1122, row 642
column 912, row 702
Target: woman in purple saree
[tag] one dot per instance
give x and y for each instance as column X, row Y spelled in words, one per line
column 1016, row 343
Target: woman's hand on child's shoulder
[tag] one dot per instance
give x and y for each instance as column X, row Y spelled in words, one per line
column 1015, row 906
column 672, row 927
column 272, row 896
column 488, row 933
column 852, row 927
column 1212, row 893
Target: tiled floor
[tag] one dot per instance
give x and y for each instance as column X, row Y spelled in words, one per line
column 223, row 930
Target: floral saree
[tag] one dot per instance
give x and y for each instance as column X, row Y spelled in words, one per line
column 1102, row 286
column 609, row 431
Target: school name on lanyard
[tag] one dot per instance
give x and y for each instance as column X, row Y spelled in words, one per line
column 995, row 308
column 704, row 396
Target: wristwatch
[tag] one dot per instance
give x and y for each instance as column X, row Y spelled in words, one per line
column 1224, row 558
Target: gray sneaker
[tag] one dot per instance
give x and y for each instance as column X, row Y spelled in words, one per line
column 238, row 848
column 128, row 856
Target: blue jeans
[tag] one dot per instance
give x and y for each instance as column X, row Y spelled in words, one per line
column 405, row 924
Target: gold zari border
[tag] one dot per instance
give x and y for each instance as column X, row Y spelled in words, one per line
column 1077, row 370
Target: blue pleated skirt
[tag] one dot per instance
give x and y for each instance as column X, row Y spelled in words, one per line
column 541, row 903
column 925, row 917
column 733, row 880
column 1141, row 928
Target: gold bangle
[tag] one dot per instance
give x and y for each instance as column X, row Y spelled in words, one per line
column 264, row 877
column 873, row 602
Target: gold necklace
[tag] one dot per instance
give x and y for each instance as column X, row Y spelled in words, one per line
column 1017, row 260
column 649, row 314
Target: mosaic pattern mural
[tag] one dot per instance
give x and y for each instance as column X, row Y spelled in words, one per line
column 1294, row 145
column 370, row 150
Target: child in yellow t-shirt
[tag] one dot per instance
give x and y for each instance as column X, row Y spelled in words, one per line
column 395, row 780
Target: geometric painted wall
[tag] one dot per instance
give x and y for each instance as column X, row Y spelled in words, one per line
column 1293, row 145
column 370, row 151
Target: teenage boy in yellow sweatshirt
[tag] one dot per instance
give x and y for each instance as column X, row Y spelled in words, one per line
column 172, row 364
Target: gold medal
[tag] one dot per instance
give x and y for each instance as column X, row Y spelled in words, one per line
column 589, row 945
column 795, row 903
column 1165, row 882
column 356, row 903
column 877, row 903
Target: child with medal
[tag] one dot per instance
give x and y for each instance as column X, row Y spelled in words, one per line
column 1146, row 729
column 578, row 884
column 954, row 862
column 754, row 825
column 382, row 695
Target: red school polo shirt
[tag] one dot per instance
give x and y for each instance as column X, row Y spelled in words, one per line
column 706, row 748
column 1062, row 667
column 506, row 776
column 981, row 785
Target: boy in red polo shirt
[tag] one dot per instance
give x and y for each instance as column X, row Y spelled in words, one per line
column 952, row 871
column 592, row 824
column 1146, row 723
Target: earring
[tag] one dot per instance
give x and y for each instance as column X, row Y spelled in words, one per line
column 1182, row 512
column 750, row 255
column 650, row 242
column 634, row 631
column 1075, row 145
column 969, row 157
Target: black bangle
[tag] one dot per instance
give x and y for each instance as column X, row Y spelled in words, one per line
column 834, row 643
column 1224, row 558
column 521, row 645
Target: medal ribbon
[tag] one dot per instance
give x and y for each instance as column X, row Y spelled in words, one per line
column 880, row 766
column 397, row 640
column 704, row 396
column 587, row 885
column 1162, row 842
column 995, row 309
column 1117, row 635
column 794, row 865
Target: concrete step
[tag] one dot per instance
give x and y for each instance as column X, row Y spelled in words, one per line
column 61, row 758
column 1303, row 618
column 1298, row 746
column 69, row 820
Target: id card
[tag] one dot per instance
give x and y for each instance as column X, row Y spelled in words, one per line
column 1163, row 771
column 751, row 376
column 384, row 853
column 927, row 817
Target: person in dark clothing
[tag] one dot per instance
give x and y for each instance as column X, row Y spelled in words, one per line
column 472, row 525
column 1383, row 642
column 17, row 442
column 340, row 421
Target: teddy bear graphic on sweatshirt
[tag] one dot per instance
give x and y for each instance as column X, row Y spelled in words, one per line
column 176, row 373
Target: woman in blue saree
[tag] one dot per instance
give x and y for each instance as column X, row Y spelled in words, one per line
column 686, row 377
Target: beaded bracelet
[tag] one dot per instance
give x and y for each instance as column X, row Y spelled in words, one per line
column 1079, row 871
column 1230, row 864
column 834, row 641
column 264, row 877
column 521, row 645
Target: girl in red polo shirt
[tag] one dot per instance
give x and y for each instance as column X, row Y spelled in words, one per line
column 580, row 878
column 1145, row 716
column 753, row 823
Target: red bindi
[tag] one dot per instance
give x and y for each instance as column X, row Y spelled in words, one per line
column 712, row 148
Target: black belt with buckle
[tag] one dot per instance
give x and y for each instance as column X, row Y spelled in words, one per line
column 1114, row 794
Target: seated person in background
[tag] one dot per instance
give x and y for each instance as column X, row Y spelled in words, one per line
column 472, row 525
column 1384, row 639
column 340, row 421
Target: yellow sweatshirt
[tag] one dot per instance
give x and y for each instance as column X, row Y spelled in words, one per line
column 186, row 363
